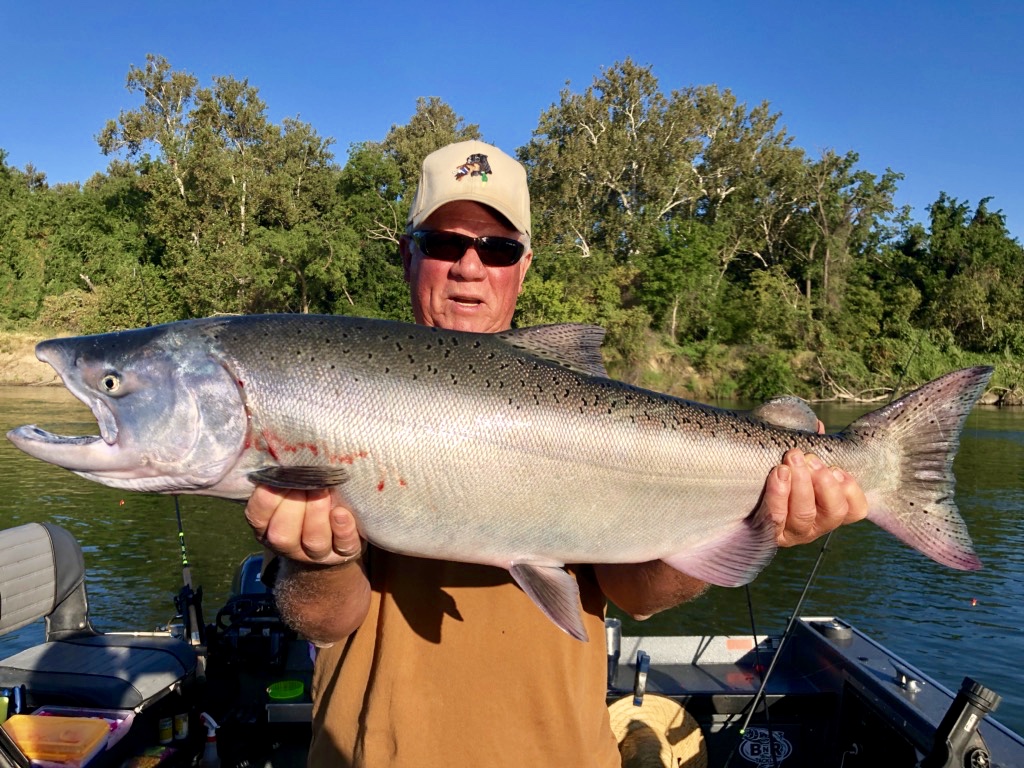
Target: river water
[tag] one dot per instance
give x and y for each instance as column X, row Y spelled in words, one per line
column 947, row 623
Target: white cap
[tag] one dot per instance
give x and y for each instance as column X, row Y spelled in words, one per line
column 472, row 170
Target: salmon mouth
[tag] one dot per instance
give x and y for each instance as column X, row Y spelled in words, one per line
column 64, row 361
column 101, row 412
column 79, row 453
column 34, row 434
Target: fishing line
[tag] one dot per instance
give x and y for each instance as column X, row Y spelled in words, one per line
column 906, row 365
column 759, row 667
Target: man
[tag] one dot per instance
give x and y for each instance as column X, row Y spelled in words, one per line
column 432, row 663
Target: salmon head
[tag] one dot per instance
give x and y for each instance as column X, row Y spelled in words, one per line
column 170, row 414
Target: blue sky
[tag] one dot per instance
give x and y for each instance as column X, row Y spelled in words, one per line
column 932, row 90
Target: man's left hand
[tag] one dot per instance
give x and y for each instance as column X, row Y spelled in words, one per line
column 807, row 498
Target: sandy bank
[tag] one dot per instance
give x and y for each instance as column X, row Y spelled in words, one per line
column 18, row 364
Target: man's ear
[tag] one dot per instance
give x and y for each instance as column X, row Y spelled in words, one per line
column 525, row 263
column 405, row 248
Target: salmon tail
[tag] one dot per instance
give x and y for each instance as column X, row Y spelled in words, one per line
column 926, row 426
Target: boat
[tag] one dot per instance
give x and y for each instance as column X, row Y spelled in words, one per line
column 822, row 694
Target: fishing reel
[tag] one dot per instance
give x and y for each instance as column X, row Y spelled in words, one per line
column 188, row 607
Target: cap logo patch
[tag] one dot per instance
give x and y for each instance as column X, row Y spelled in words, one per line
column 475, row 165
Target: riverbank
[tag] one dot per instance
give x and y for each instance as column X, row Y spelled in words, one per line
column 18, row 363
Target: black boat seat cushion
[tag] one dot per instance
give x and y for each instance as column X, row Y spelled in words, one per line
column 42, row 574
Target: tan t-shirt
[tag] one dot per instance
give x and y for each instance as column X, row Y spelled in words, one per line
column 455, row 666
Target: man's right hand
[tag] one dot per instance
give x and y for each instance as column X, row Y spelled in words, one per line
column 310, row 533
column 303, row 526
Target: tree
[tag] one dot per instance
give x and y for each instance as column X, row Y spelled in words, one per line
column 612, row 167
column 972, row 275
column 608, row 166
column 21, row 252
column 681, row 279
column 376, row 188
column 433, row 125
column 371, row 189
column 163, row 118
column 844, row 214
column 239, row 205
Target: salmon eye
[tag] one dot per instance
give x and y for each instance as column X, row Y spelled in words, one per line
column 110, row 383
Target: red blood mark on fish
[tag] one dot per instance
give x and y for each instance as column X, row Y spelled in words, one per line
column 349, row 458
column 380, row 486
column 269, row 443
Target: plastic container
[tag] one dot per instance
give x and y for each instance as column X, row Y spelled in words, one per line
column 211, row 756
column 118, row 720
column 285, row 690
column 69, row 742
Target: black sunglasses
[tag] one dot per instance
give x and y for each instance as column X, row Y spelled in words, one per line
column 494, row 251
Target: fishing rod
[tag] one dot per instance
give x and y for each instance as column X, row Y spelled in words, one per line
column 188, row 600
column 790, row 628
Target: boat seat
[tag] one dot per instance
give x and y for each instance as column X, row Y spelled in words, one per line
column 42, row 575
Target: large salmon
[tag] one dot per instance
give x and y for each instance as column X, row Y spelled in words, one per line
column 512, row 449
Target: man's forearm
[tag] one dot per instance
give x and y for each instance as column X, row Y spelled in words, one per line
column 643, row 589
column 322, row 603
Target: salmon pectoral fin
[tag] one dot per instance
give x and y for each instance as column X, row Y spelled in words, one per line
column 734, row 556
column 300, row 478
column 555, row 592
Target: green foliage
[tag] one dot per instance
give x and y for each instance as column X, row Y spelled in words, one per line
column 687, row 224
column 775, row 311
column 75, row 310
column 611, row 167
column 21, row 257
column 563, row 287
column 970, row 275
column 840, row 372
column 679, row 283
column 767, row 373
column 550, row 300
column 434, row 125
column 862, row 315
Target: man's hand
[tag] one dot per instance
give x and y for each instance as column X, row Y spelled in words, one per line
column 303, row 526
column 309, row 532
column 807, row 499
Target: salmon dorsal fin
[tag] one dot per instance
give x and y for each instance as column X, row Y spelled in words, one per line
column 570, row 345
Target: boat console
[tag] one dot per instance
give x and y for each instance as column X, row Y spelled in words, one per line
column 834, row 698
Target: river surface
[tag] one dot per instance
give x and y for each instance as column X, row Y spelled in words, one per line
column 947, row 623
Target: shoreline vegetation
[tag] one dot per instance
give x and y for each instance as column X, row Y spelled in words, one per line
column 20, row 368
column 725, row 262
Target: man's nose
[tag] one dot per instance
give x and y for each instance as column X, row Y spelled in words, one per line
column 469, row 266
